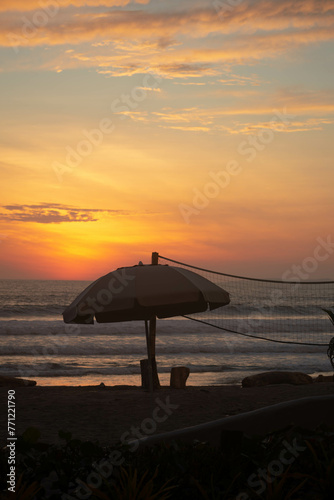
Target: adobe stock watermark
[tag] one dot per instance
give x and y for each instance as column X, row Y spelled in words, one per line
column 105, row 468
column 222, row 7
column 221, row 179
column 201, row 198
column 93, row 138
column 256, row 143
column 43, row 357
column 31, row 25
column 93, row 304
column 259, row 480
column 294, row 276
column 104, row 296
column 310, row 264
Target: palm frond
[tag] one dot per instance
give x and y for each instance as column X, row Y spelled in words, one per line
column 330, row 314
column 330, row 350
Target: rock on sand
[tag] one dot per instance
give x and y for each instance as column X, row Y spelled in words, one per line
column 268, row 378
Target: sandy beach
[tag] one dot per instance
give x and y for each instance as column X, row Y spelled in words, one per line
column 105, row 413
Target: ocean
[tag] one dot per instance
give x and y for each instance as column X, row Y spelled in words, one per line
column 36, row 344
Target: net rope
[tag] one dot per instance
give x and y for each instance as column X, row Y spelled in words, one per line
column 289, row 312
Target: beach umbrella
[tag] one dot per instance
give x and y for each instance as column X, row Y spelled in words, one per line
column 145, row 292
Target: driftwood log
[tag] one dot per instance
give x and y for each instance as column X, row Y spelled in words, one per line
column 15, row 382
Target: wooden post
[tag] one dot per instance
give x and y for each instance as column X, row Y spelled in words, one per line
column 155, row 258
column 178, row 377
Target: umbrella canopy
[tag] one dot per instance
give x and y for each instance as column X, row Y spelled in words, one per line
column 143, row 291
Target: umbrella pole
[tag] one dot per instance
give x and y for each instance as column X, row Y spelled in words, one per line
column 149, row 355
column 153, row 328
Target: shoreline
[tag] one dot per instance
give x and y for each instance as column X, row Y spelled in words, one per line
column 105, row 413
column 197, row 379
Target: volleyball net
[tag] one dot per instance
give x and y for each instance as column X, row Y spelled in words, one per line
column 291, row 312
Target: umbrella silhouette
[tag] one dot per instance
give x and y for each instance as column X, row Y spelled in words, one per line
column 145, row 292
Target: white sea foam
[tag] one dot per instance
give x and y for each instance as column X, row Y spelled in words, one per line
column 36, row 343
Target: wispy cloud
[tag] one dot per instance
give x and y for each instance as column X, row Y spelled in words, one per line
column 54, row 213
column 170, row 42
column 149, row 89
column 190, row 83
column 249, row 128
column 240, row 80
column 26, row 5
column 306, row 112
column 187, row 128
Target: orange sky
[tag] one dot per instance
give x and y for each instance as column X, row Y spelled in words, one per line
column 198, row 129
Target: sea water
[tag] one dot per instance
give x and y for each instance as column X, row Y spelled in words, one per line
column 36, row 344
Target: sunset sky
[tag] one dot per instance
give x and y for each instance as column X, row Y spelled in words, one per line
column 199, row 129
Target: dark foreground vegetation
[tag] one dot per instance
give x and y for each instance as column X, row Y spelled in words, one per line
column 289, row 464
